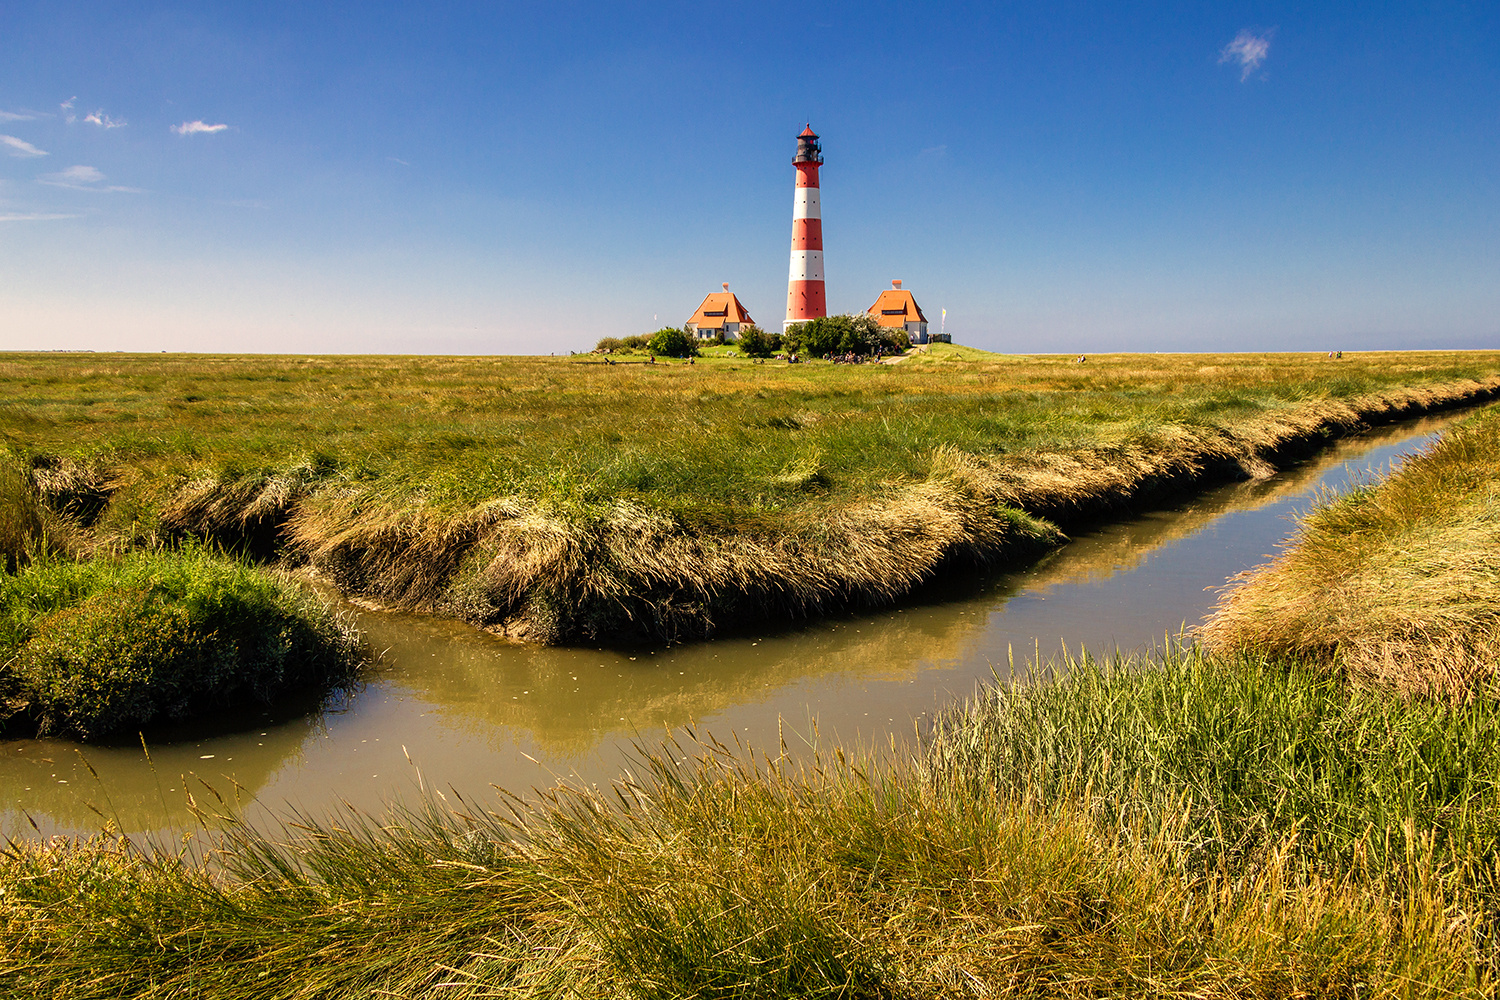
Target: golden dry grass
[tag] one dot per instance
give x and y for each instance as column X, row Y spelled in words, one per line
column 1396, row 582
column 719, row 877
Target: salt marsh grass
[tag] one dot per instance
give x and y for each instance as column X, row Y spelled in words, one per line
column 712, row 872
column 1396, row 582
column 563, row 500
column 101, row 648
column 1192, row 824
column 1235, row 754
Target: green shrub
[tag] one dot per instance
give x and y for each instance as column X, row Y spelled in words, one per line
column 859, row 334
column 636, row 341
column 609, row 344
column 757, row 343
column 97, row 649
column 671, row 342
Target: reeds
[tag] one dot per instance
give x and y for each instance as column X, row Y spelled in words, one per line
column 708, row 874
column 1396, row 582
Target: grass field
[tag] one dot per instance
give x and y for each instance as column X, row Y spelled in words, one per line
column 563, row 500
column 1215, row 825
column 1397, row 582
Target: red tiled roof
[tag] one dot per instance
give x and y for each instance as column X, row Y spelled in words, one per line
column 720, row 308
column 896, row 307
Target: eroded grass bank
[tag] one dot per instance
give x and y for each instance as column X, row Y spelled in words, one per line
column 1396, row 582
column 560, row 500
column 1123, row 832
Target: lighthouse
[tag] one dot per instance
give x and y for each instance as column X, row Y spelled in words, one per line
column 805, row 298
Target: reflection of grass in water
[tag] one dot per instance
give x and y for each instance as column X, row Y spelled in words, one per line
column 988, row 867
column 130, row 793
column 1109, row 551
column 479, row 683
column 565, row 500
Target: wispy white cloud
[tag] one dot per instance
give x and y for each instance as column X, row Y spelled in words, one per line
column 397, row 159
column 18, row 116
column 82, row 178
column 67, row 106
column 20, row 147
column 1248, row 51
column 102, row 120
column 34, row 216
column 189, row 128
column 79, row 175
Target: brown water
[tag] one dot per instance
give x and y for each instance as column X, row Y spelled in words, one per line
column 447, row 707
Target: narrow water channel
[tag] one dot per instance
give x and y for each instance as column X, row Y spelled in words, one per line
column 448, row 707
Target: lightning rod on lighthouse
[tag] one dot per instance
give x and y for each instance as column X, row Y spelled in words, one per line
column 805, row 298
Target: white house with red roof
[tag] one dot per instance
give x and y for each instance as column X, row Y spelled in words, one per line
column 721, row 312
column 897, row 307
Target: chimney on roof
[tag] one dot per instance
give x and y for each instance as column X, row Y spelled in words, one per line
column 726, row 286
column 895, row 282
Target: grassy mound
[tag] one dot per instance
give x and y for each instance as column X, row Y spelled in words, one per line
column 1397, row 582
column 96, row 649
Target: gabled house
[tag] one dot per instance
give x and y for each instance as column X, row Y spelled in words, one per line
column 720, row 312
column 897, row 307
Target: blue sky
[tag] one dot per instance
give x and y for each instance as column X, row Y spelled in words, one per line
column 524, row 178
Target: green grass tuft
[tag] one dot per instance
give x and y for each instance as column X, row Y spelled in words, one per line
column 102, row 648
column 1241, row 753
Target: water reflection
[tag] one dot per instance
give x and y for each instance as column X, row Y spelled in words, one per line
column 64, row 786
column 448, row 706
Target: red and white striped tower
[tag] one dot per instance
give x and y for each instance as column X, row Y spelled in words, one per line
column 805, row 298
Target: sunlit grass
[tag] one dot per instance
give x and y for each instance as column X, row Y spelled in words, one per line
column 108, row 646
column 1396, row 581
column 564, row 500
column 1131, row 830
